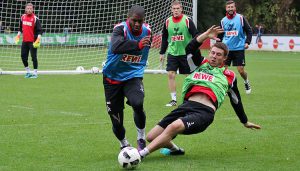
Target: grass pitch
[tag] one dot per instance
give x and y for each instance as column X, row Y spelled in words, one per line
column 59, row 122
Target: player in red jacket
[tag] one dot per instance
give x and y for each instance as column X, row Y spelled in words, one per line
column 31, row 28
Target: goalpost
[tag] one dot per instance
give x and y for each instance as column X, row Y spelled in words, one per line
column 77, row 33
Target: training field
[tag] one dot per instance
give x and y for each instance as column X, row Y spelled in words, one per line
column 59, row 122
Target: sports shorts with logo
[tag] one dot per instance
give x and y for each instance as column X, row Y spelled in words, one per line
column 195, row 116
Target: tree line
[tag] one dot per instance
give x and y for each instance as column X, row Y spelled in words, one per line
column 276, row 16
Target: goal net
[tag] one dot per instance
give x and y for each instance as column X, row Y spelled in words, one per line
column 77, row 33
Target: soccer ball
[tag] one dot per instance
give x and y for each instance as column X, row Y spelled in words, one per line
column 95, row 70
column 129, row 158
column 80, row 68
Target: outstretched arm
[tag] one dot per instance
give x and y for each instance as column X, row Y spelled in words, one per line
column 211, row 33
column 236, row 103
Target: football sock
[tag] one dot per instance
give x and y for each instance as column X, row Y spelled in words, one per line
column 246, row 80
column 144, row 152
column 124, row 142
column 27, row 69
column 173, row 95
column 35, row 72
column 140, row 133
column 174, row 148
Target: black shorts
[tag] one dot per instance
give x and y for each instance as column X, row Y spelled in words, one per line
column 132, row 89
column 237, row 58
column 195, row 116
column 178, row 62
column 25, row 48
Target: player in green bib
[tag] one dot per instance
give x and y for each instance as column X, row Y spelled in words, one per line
column 177, row 32
column 204, row 91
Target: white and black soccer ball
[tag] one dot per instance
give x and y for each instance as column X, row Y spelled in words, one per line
column 80, row 68
column 95, row 70
column 129, row 158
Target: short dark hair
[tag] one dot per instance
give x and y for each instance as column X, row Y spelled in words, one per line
column 138, row 10
column 222, row 46
column 230, row 2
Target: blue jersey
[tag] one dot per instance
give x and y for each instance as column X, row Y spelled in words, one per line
column 132, row 62
column 234, row 36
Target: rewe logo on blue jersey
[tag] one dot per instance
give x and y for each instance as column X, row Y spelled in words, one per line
column 131, row 58
column 231, row 30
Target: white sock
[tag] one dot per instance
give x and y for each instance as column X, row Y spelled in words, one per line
column 173, row 95
column 144, row 152
column 35, row 72
column 141, row 133
column 174, row 148
column 124, row 142
column 246, row 80
column 27, row 69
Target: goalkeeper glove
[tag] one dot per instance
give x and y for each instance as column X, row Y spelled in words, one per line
column 17, row 39
column 37, row 43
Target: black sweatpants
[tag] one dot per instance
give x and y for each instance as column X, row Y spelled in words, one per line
column 26, row 47
column 115, row 94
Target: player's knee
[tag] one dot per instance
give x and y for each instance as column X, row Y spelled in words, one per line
column 24, row 60
column 116, row 123
column 171, row 75
column 34, row 59
column 137, row 104
column 150, row 137
column 240, row 69
column 174, row 128
column 24, row 56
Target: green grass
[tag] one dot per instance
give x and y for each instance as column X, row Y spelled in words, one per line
column 59, row 122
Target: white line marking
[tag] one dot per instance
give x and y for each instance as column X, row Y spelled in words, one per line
column 71, row 113
column 21, row 107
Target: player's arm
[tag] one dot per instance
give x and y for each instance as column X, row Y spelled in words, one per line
column 194, row 57
column 221, row 35
column 164, row 40
column 20, row 27
column 37, row 33
column 192, row 28
column 120, row 45
column 38, row 28
column 248, row 30
column 236, row 102
column 17, row 38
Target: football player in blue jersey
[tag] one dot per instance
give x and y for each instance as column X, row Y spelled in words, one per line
column 123, row 73
column 237, row 36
